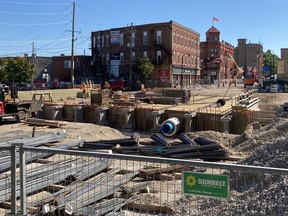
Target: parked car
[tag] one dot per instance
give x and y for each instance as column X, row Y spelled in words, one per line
column 122, row 85
column 24, row 86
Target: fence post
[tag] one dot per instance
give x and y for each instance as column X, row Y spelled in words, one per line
column 22, row 184
column 22, row 161
column 13, row 178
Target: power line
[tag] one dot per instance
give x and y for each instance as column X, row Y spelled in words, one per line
column 33, row 24
column 37, row 32
column 32, row 30
column 30, row 41
column 23, row 13
column 36, row 4
column 56, row 19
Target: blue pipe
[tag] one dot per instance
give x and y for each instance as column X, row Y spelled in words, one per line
column 167, row 128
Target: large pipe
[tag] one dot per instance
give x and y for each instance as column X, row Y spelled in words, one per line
column 170, row 126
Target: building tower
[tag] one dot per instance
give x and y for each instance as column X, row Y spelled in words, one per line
column 217, row 63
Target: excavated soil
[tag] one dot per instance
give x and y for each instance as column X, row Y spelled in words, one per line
column 259, row 146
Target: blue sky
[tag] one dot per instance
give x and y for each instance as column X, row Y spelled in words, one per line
column 46, row 24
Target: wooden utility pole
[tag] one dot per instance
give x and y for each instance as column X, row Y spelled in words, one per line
column 72, row 47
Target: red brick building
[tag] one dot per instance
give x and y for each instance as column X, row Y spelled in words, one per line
column 172, row 48
column 217, row 58
column 61, row 69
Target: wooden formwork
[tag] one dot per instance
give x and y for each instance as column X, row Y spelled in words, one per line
column 122, row 117
column 208, row 121
column 74, row 112
column 241, row 117
column 239, row 120
column 96, row 114
column 148, row 118
column 263, row 117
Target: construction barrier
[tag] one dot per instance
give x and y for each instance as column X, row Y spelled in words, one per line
column 78, row 182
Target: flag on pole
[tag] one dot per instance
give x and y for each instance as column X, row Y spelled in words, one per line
column 215, row 19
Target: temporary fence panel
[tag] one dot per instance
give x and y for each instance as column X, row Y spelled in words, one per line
column 60, row 182
column 8, row 160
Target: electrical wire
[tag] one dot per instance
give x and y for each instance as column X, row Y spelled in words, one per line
column 32, row 24
column 38, row 29
column 29, row 31
column 36, row 4
column 11, row 44
column 37, row 14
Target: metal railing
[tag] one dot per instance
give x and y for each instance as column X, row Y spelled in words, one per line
column 66, row 182
column 186, row 83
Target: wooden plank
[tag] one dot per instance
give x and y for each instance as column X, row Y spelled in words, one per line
column 152, row 171
column 54, row 188
column 263, row 115
column 177, row 175
column 44, row 161
column 165, row 176
column 7, row 205
column 150, row 208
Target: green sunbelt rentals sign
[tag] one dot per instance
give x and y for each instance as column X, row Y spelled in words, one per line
column 203, row 184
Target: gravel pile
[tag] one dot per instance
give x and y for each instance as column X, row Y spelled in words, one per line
column 260, row 194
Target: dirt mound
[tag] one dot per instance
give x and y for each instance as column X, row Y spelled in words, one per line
column 224, row 140
column 251, row 139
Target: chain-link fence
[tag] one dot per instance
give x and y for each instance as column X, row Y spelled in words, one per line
column 52, row 181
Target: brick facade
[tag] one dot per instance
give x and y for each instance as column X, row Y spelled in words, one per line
column 62, row 69
column 249, row 55
column 217, row 58
column 165, row 44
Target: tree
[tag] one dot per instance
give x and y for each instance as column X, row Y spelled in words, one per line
column 17, row 70
column 3, row 75
column 271, row 60
column 144, row 68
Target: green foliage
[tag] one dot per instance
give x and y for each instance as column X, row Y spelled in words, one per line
column 271, row 60
column 3, row 75
column 144, row 68
column 16, row 70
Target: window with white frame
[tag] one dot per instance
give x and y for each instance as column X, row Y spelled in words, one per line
column 145, row 38
column 213, row 52
column 145, row 54
column 67, row 64
column 94, row 42
column 158, row 56
column 107, row 41
column 133, row 58
column 159, row 37
column 133, row 39
column 98, row 41
column 121, row 39
column 103, row 41
column 174, row 37
column 121, row 58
